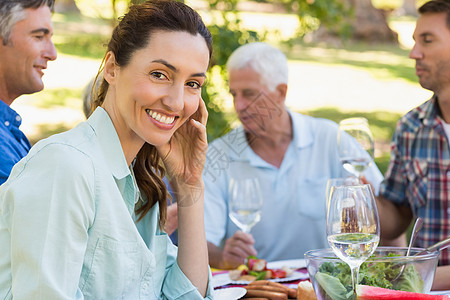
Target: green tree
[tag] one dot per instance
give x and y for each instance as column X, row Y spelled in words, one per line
column 328, row 12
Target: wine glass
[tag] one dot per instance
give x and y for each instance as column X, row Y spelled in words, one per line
column 245, row 202
column 353, row 227
column 355, row 145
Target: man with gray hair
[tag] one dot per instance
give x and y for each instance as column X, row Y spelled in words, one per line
column 291, row 154
column 25, row 48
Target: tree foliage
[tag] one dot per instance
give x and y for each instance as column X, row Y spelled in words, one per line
column 328, row 12
column 228, row 34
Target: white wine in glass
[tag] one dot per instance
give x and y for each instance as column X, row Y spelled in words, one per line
column 353, row 227
column 355, row 145
column 245, row 202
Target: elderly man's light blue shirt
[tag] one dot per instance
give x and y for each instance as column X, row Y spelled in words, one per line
column 67, row 225
column 293, row 215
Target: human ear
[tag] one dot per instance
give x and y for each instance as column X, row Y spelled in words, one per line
column 282, row 90
column 110, row 68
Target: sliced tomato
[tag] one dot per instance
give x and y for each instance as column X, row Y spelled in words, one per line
column 255, row 264
column 278, row 273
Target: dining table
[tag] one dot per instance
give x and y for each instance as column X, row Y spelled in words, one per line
column 222, row 282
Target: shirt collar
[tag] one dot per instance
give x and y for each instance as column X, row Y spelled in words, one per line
column 302, row 137
column 429, row 112
column 9, row 116
column 109, row 141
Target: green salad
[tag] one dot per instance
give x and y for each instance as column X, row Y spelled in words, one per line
column 336, row 280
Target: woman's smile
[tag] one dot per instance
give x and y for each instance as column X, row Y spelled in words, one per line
column 168, row 120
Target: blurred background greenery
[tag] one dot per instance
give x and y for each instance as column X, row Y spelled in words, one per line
column 325, row 33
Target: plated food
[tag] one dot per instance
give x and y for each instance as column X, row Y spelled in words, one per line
column 262, row 280
column 256, row 269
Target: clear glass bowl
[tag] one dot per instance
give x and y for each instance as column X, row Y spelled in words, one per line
column 329, row 275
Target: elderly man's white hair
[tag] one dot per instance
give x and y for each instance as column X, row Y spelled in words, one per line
column 269, row 62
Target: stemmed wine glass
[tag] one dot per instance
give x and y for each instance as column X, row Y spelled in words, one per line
column 245, row 202
column 355, row 145
column 353, row 227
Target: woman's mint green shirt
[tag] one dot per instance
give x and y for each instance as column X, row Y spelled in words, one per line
column 67, row 225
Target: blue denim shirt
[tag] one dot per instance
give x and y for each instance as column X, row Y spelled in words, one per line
column 13, row 143
column 68, row 230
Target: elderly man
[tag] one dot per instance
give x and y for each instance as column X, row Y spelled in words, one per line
column 292, row 155
column 417, row 182
column 25, row 48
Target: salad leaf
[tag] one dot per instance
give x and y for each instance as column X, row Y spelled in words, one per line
column 250, row 257
column 410, row 280
column 340, row 270
column 260, row 275
column 378, row 274
column 332, row 286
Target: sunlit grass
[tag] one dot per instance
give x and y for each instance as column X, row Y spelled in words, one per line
column 385, row 62
column 48, row 129
column 382, row 124
column 62, row 97
column 87, row 46
column 75, row 23
column 79, row 35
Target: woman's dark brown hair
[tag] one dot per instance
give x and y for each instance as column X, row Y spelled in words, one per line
column 131, row 34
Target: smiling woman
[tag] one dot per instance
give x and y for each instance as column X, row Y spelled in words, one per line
column 100, row 209
column 147, row 93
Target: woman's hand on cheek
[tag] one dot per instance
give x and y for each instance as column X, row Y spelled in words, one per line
column 184, row 156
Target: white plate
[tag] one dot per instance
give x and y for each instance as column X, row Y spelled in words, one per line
column 224, row 279
column 231, row 293
column 220, row 280
column 291, row 263
column 295, row 276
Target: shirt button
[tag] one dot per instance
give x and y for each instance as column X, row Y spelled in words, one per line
column 18, row 118
column 6, row 123
column 145, row 285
